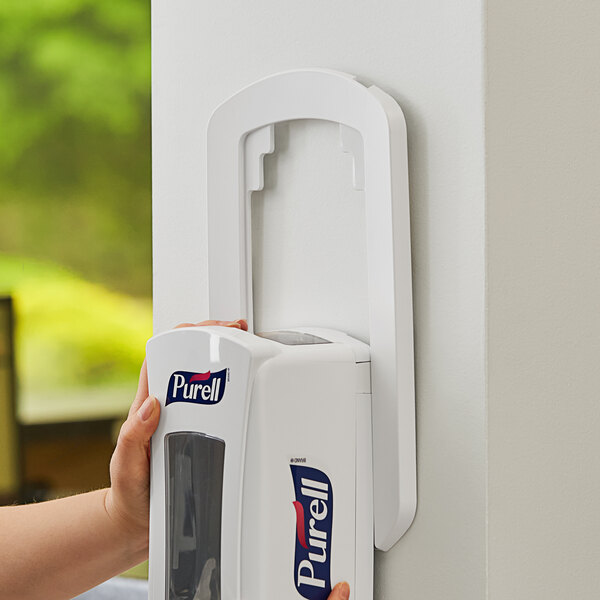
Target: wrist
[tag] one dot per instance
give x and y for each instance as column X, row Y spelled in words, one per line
column 131, row 534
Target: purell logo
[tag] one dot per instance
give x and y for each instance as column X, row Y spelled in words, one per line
column 314, row 519
column 197, row 388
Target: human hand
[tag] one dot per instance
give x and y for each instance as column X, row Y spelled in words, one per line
column 340, row 592
column 127, row 500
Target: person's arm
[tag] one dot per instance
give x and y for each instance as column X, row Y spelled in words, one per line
column 58, row 549
column 55, row 550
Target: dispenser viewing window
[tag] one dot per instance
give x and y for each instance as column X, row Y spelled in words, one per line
column 194, row 479
column 255, row 493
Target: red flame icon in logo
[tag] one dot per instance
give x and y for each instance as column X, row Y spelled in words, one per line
column 300, row 527
column 200, row 377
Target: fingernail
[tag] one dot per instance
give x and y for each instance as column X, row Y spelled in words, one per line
column 235, row 325
column 146, row 409
column 344, row 591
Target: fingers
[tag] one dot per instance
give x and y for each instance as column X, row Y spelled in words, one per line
column 243, row 324
column 340, row 592
column 239, row 324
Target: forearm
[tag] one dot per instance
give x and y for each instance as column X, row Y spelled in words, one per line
column 58, row 549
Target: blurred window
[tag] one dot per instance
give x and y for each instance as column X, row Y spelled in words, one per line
column 75, row 223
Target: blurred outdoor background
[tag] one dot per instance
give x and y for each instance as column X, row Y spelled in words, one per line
column 75, row 246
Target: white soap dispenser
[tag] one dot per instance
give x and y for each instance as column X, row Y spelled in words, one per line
column 282, row 459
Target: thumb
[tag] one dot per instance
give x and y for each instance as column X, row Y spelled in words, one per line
column 340, row 592
column 131, row 453
column 139, row 426
column 148, row 415
column 127, row 498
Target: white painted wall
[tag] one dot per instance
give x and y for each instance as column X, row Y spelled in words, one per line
column 308, row 231
column 543, row 273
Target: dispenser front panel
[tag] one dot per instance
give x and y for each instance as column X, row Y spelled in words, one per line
column 202, row 380
column 298, row 525
column 255, row 468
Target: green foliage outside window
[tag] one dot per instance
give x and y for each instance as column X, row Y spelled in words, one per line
column 75, row 136
column 75, row 210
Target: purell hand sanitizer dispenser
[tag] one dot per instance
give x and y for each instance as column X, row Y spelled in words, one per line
column 283, row 458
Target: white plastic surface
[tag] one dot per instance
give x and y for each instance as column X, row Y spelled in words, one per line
column 373, row 129
column 202, row 349
column 280, row 406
